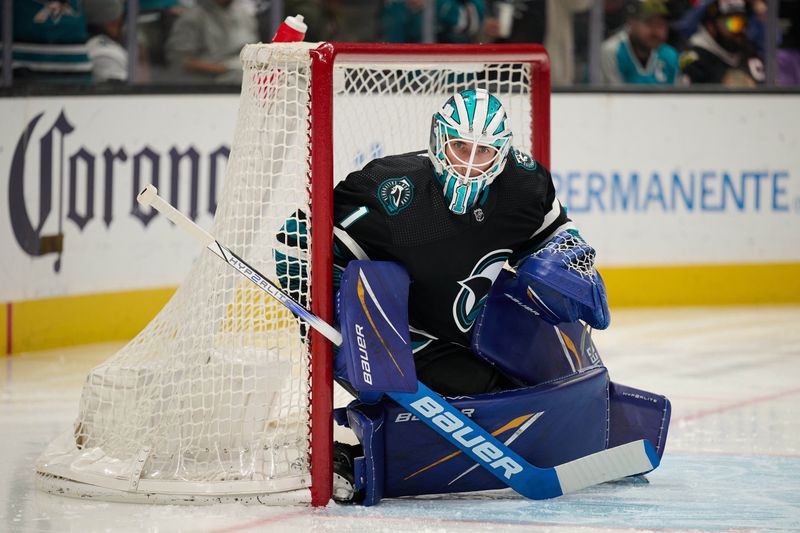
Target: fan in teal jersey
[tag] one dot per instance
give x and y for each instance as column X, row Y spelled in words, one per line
column 470, row 140
column 50, row 41
column 638, row 53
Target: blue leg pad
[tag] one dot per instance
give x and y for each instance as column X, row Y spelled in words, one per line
column 638, row 414
column 367, row 422
column 548, row 424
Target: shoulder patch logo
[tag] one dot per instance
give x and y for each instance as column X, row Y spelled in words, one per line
column 395, row 194
column 524, row 160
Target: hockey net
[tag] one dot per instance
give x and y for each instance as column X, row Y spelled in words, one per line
column 224, row 395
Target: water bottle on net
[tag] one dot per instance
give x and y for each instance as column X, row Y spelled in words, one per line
column 267, row 82
column 291, row 30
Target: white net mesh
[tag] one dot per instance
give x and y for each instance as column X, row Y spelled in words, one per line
column 213, row 393
column 387, row 109
column 573, row 252
column 212, row 397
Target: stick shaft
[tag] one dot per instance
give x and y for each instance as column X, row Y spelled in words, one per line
column 149, row 196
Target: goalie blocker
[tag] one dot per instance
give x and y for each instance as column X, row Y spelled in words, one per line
column 565, row 408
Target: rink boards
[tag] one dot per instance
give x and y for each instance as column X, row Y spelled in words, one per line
column 689, row 199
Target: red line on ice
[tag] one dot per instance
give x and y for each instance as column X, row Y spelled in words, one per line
column 737, row 405
column 323, row 518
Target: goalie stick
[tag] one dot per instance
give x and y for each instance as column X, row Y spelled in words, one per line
column 530, row 481
column 149, row 197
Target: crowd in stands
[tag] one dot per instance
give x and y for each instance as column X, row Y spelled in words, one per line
column 647, row 42
column 721, row 42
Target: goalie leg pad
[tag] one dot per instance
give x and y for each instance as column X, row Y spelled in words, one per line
column 638, row 414
column 367, row 422
column 547, row 425
column 375, row 356
column 510, row 335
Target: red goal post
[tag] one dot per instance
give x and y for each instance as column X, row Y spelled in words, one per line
column 324, row 59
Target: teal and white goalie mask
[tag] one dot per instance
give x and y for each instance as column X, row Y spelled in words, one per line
column 470, row 140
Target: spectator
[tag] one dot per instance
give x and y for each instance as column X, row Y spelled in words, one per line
column 109, row 57
column 457, row 21
column 50, row 41
column 556, row 33
column 616, row 15
column 206, row 40
column 720, row 52
column 638, row 54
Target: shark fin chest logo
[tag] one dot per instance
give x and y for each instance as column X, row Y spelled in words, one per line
column 475, row 288
column 395, row 194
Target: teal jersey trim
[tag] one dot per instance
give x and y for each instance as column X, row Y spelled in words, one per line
column 484, row 196
column 81, row 57
column 350, row 219
column 418, row 345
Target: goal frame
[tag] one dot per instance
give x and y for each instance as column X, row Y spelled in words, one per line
column 324, row 58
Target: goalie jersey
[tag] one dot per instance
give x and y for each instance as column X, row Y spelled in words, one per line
column 394, row 210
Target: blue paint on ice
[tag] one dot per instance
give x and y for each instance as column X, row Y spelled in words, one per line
column 688, row 492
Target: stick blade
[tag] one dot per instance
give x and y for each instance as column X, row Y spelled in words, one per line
column 636, row 457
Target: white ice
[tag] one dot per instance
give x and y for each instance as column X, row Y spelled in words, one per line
column 732, row 460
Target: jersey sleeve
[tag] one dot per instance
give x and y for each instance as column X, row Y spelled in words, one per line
column 554, row 219
column 359, row 226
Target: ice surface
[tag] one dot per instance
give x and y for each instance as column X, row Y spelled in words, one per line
column 732, row 461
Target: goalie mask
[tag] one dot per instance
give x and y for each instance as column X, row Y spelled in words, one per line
column 469, row 143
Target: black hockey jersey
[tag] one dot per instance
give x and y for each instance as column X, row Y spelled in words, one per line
column 394, row 210
column 703, row 66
